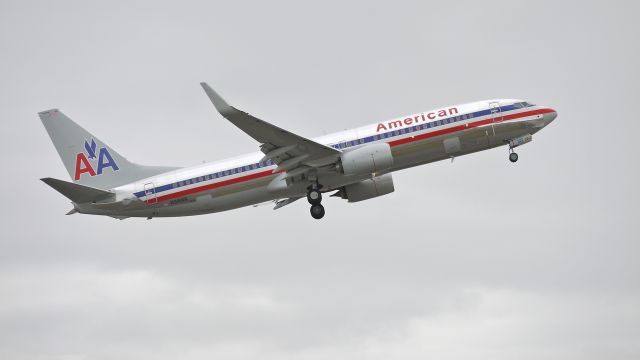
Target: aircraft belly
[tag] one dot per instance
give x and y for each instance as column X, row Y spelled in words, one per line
column 219, row 199
column 465, row 142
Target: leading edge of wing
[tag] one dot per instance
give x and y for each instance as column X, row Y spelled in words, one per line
column 266, row 133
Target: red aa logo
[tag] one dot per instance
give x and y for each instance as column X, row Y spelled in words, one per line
column 104, row 160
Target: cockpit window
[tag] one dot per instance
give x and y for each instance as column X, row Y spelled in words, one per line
column 524, row 104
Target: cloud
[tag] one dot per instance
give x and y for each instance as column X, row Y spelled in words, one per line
column 72, row 312
column 476, row 259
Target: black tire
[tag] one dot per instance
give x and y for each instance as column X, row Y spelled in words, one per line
column 317, row 211
column 513, row 157
column 314, row 196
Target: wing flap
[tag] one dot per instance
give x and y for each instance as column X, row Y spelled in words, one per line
column 286, row 202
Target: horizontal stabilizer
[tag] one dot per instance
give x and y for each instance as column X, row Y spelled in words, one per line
column 79, row 193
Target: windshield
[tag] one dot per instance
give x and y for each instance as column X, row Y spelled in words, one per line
column 522, row 104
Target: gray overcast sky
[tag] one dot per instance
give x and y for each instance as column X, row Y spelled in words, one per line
column 479, row 259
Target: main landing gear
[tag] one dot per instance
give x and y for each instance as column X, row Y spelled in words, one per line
column 314, row 196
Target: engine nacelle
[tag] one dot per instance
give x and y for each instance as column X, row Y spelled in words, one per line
column 370, row 188
column 369, row 159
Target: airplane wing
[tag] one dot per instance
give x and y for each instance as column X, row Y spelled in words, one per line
column 292, row 153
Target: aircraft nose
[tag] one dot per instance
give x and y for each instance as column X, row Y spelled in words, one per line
column 551, row 115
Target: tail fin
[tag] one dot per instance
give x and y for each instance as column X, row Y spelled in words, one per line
column 88, row 160
column 79, row 193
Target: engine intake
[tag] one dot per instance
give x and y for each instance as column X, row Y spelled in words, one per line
column 369, row 159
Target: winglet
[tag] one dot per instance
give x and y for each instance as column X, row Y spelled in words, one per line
column 217, row 101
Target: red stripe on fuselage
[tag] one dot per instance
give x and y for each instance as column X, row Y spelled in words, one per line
column 391, row 143
column 211, row 186
column 468, row 126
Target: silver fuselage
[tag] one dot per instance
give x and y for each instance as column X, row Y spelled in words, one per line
column 415, row 140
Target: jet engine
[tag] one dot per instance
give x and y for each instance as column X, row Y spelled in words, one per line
column 368, row 159
column 368, row 189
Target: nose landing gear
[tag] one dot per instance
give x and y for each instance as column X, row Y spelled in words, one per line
column 513, row 157
column 314, row 196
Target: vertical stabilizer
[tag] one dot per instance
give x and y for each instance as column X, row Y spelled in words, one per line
column 88, row 160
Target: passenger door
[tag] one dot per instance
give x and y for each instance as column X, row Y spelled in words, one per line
column 150, row 194
column 496, row 115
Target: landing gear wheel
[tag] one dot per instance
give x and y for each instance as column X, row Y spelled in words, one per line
column 513, row 157
column 317, row 211
column 314, row 196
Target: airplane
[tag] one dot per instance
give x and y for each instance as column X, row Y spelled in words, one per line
column 354, row 165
